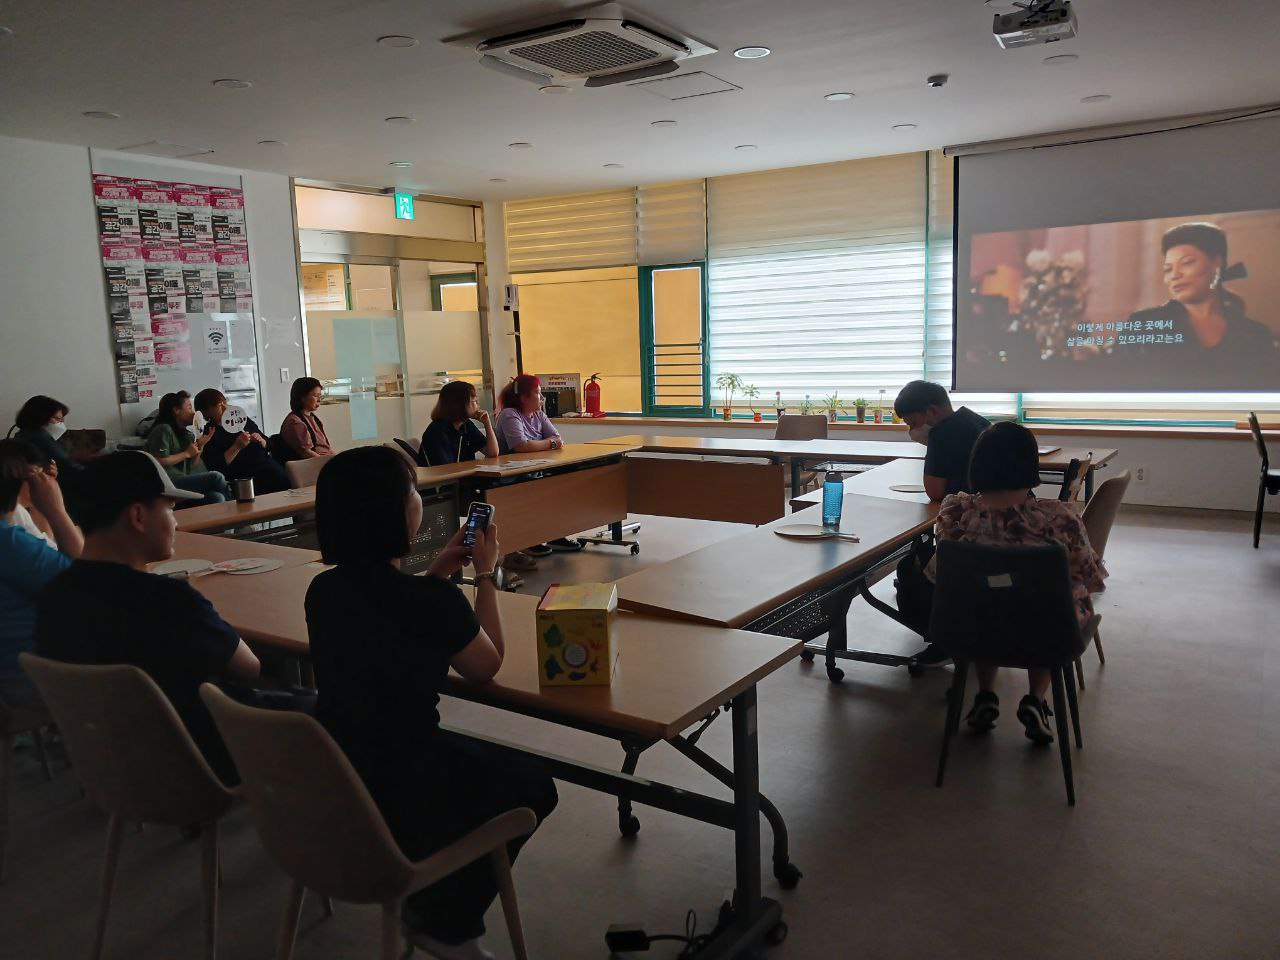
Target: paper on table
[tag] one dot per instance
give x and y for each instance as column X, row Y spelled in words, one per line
column 506, row 467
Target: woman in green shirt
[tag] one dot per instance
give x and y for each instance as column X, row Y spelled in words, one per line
column 170, row 442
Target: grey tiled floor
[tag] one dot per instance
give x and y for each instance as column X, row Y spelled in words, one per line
column 1173, row 850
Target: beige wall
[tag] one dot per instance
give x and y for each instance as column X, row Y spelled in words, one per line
column 585, row 322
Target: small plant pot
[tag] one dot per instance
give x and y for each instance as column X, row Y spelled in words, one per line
column 757, row 416
column 862, row 414
column 879, row 416
column 727, row 413
column 831, row 416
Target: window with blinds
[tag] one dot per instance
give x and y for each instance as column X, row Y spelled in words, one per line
column 816, row 278
column 672, row 223
column 572, row 232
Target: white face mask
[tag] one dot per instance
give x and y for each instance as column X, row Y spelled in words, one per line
column 919, row 434
column 55, row 429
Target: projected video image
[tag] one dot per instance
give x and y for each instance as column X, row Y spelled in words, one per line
column 1186, row 303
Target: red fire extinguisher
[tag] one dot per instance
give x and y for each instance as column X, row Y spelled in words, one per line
column 591, row 392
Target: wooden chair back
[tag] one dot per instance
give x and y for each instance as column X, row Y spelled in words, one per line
column 1008, row 606
column 414, row 451
column 1100, row 512
column 312, row 811
column 800, row 426
column 127, row 744
column 303, row 473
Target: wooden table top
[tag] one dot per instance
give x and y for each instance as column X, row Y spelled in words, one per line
column 569, row 455
column 876, row 482
column 203, row 546
column 733, row 582
column 669, row 675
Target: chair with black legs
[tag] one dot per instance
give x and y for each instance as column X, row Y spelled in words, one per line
column 1268, row 482
column 1009, row 606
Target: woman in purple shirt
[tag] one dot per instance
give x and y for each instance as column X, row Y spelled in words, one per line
column 523, row 427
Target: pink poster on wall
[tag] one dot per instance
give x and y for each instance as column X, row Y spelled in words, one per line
column 173, row 355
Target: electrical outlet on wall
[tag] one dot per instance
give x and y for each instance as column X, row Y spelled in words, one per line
column 1140, row 474
column 284, row 374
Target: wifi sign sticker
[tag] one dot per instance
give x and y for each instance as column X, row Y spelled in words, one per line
column 216, row 341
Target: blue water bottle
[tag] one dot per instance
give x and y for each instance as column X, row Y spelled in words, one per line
column 832, row 499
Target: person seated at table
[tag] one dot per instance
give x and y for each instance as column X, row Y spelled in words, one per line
column 1003, row 509
column 237, row 456
column 524, row 427
column 948, row 436
column 107, row 609
column 302, row 433
column 41, row 422
column 382, row 642
column 452, row 436
column 170, row 442
column 28, row 562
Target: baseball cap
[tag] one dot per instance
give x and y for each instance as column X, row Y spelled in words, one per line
column 129, row 476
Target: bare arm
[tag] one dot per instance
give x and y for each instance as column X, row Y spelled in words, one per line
column 533, row 446
column 935, row 487
column 46, row 497
column 490, row 438
column 243, row 665
column 480, row 659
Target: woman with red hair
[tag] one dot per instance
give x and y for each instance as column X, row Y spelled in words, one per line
column 524, row 427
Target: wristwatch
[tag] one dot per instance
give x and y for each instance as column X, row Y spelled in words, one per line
column 496, row 575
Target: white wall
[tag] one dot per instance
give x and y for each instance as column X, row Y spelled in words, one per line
column 502, row 349
column 320, row 209
column 56, row 338
column 1219, row 474
column 53, row 308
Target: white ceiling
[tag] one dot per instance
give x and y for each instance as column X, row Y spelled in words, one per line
column 322, row 84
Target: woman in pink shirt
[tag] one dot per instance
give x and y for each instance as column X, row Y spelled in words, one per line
column 302, row 431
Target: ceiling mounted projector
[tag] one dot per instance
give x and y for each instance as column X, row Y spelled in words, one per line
column 1038, row 21
column 597, row 47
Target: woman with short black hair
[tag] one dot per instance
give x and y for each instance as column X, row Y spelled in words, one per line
column 452, row 436
column 382, row 642
column 302, row 432
column 237, row 456
column 41, row 422
column 1003, row 509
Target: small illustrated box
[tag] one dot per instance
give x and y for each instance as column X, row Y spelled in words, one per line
column 575, row 634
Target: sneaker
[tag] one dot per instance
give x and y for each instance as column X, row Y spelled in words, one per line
column 1034, row 714
column 986, row 710
column 566, row 545
column 931, row 656
column 519, row 561
column 467, row 950
column 541, row 550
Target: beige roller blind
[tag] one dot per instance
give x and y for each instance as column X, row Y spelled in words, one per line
column 572, row 232
column 673, row 222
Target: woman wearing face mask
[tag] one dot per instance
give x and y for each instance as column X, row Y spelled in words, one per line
column 41, row 423
column 1207, row 339
column 171, row 443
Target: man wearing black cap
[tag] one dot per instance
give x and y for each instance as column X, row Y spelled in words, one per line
column 106, row 608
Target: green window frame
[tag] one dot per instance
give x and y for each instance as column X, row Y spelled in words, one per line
column 692, row 355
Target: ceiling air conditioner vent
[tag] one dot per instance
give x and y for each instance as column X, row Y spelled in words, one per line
column 600, row 48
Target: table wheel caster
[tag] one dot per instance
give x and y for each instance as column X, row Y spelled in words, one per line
column 835, row 674
column 915, row 670
column 777, row 934
column 806, row 656
column 635, row 549
column 628, row 825
column 788, row 874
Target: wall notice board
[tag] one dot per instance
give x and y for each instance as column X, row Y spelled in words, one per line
column 180, row 302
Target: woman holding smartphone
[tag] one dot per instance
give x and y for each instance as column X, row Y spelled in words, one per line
column 382, row 642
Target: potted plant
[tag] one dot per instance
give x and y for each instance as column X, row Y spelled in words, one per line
column 861, row 406
column 730, row 383
column 806, row 406
column 752, row 393
column 833, row 405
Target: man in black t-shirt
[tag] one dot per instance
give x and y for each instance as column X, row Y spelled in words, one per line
column 949, row 436
column 106, row 609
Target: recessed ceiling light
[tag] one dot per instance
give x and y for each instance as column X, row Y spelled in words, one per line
column 497, row 180
column 613, row 166
column 396, row 40
column 1096, row 98
column 1061, row 59
column 272, row 143
column 904, row 126
column 400, row 163
column 229, row 83
column 521, row 145
column 100, row 115
column 553, row 89
column 751, row 53
column 663, row 123
column 745, row 146
column 838, row 96
column 401, row 121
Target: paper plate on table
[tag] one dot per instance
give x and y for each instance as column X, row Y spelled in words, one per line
column 907, row 488
column 811, row 531
column 172, row 568
column 248, row 565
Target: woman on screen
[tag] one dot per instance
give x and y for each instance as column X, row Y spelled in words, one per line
column 1203, row 329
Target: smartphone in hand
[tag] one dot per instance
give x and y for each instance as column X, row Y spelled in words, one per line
column 478, row 518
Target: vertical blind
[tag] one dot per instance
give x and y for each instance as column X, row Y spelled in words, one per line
column 817, row 277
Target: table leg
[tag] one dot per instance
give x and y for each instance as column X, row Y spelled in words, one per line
column 795, row 477
column 1088, row 484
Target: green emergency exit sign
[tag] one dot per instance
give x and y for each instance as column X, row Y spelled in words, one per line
column 404, row 206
